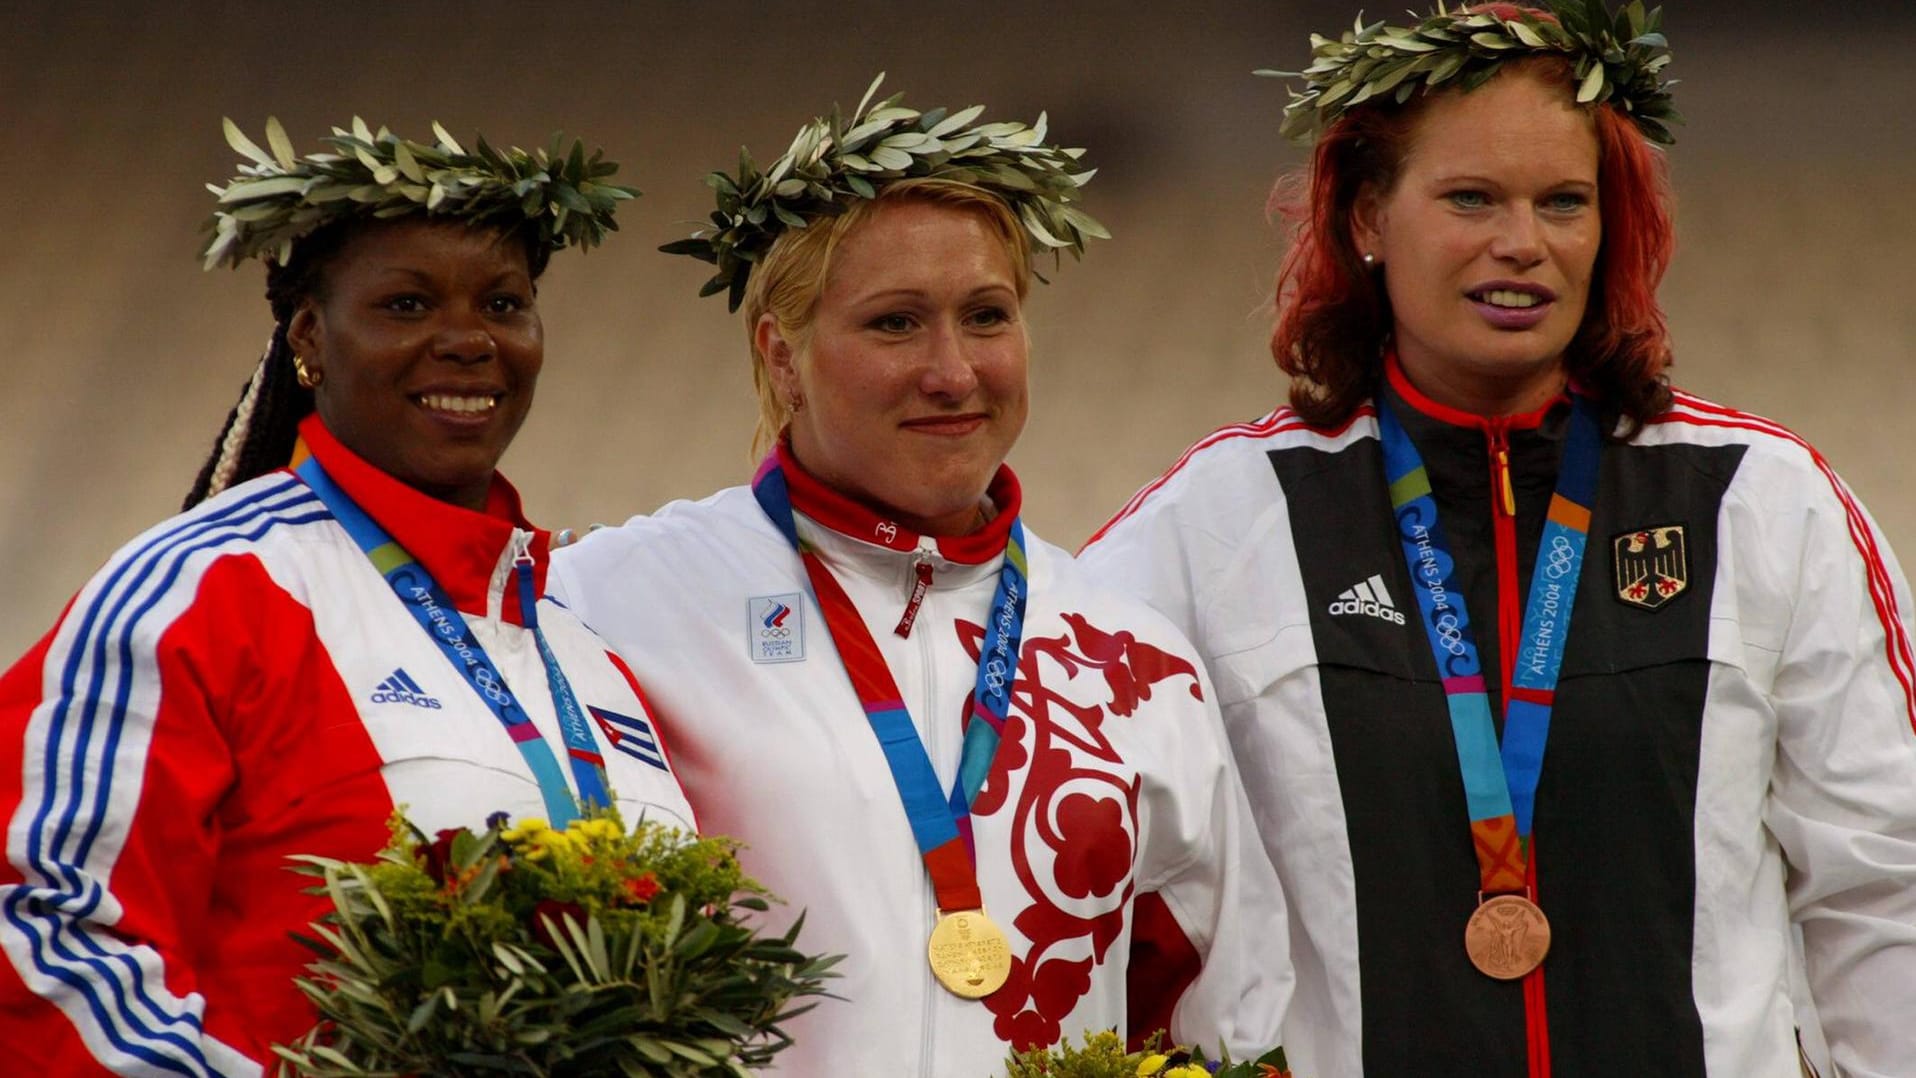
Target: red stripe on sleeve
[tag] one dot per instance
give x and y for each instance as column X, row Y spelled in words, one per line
column 1281, row 421
column 1882, row 590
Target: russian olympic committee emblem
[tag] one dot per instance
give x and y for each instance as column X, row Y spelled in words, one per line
column 1652, row 565
column 775, row 628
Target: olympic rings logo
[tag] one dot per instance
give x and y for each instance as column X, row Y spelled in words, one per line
column 1450, row 634
column 995, row 676
column 1562, row 555
column 489, row 684
column 775, row 634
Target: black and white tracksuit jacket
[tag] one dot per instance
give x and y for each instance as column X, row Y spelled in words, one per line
column 1732, row 755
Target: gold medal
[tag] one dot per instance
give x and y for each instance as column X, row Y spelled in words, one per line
column 969, row 954
column 1507, row 937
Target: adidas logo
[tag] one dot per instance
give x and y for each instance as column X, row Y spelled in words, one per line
column 1370, row 599
column 400, row 688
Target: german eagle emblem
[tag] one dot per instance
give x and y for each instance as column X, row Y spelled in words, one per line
column 1653, row 566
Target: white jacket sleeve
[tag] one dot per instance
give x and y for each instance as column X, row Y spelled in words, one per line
column 1842, row 799
column 1222, row 896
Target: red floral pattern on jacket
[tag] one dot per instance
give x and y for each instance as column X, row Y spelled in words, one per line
column 1075, row 812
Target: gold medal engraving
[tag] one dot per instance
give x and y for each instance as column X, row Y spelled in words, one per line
column 1507, row 937
column 969, row 954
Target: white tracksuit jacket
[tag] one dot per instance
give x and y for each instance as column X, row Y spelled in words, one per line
column 1724, row 765
column 1111, row 825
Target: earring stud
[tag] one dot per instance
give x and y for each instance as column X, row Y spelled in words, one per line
column 304, row 375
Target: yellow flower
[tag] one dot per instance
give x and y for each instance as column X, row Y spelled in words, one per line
column 1186, row 1070
column 1152, row 1064
column 530, row 827
column 601, row 829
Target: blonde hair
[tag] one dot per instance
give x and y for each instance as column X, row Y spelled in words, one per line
column 788, row 282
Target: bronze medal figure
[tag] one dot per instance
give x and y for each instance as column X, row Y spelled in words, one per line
column 1507, row 937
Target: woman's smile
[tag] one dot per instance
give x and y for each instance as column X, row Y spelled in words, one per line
column 428, row 347
column 913, row 380
column 1487, row 242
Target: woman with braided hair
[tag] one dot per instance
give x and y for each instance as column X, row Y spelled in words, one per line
column 263, row 426
column 347, row 618
column 1565, row 700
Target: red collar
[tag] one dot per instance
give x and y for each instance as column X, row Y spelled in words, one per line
column 859, row 521
column 1457, row 417
column 460, row 548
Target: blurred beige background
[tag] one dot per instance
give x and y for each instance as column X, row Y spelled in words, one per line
column 1790, row 297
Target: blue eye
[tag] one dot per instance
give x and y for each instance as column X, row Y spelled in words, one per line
column 1566, row 202
column 1468, row 199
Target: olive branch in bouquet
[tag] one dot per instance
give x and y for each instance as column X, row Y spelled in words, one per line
column 528, row 950
column 1101, row 1054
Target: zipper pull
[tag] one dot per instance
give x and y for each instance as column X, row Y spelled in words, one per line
column 1503, row 471
column 922, row 568
column 1504, row 495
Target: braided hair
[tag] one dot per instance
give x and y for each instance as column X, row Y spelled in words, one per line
column 263, row 426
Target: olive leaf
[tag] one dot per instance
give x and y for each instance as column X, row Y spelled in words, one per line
column 278, row 197
column 836, row 159
column 1619, row 58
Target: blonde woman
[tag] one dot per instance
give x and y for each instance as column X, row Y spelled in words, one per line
column 1000, row 790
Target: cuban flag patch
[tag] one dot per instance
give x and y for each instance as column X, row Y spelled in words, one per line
column 629, row 735
column 775, row 629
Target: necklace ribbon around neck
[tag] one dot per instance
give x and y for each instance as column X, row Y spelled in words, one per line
column 432, row 608
column 940, row 822
column 1500, row 781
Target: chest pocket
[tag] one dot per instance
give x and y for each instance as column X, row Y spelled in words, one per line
column 1351, row 594
column 1649, row 574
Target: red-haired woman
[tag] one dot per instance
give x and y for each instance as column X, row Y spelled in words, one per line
column 1513, row 844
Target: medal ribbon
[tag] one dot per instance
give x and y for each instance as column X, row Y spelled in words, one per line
column 940, row 824
column 1500, row 783
column 432, row 608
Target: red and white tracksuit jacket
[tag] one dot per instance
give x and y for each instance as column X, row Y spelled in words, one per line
column 1731, row 759
column 236, row 686
column 1114, row 846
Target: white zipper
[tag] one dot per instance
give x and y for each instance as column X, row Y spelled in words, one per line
column 929, row 701
column 927, row 1041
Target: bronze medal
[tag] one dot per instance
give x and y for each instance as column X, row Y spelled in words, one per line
column 969, row 954
column 1507, row 937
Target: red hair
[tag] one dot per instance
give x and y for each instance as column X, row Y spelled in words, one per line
column 1333, row 318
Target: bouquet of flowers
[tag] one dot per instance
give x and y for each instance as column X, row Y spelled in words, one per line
column 1103, row 1056
column 529, row 950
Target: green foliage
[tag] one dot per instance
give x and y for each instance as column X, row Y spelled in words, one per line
column 1102, row 1055
column 565, row 196
column 586, row 952
column 1619, row 59
column 834, row 160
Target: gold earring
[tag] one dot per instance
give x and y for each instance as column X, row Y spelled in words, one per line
column 304, row 375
